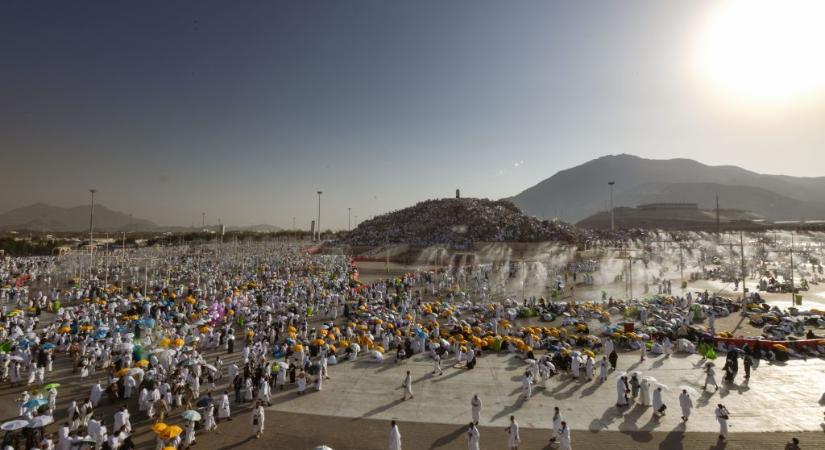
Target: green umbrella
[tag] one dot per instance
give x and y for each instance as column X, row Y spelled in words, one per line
column 51, row 385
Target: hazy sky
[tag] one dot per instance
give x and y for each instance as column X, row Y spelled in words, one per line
column 245, row 109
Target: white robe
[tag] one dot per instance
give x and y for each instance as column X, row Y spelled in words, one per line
column 620, row 392
column 408, row 386
column 474, row 436
column 223, row 407
column 646, row 397
column 96, row 393
column 564, row 440
column 475, row 405
column 723, row 423
column 395, row 439
column 686, row 404
column 261, row 418
column 514, row 437
column 657, row 401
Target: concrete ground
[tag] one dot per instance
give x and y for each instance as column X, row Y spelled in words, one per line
column 778, row 397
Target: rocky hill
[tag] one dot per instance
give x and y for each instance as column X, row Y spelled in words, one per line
column 458, row 222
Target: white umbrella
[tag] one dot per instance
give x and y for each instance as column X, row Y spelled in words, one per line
column 14, row 425
column 322, row 447
column 211, row 367
column 692, row 393
column 283, row 365
column 40, row 421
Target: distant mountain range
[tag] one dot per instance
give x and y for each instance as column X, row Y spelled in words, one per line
column 581, row 191
column 48, row 218
column 42, row 217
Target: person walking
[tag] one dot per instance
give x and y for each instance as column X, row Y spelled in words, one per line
column 686, row 403
column 603, row 369
column 710, row 377
column 258, row 418
column 395, row 436
column 437, row 365
column 793, row 445
column 564, row 437
column 473, row 437
column 513, row 435
column 722, row 416
column 748, row 363
column 407, row 385
column 659, row 406
column 621, row 391
column 475, row 407
column 223, row 407
column 555, row 433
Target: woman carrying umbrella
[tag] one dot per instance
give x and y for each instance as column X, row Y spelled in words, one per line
column 258, row 419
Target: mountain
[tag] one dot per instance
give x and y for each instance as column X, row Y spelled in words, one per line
column 582, row 191
column 42, row 217
column 458, row 222
column 260, row 228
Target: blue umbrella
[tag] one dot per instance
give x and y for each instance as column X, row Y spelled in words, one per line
column 48, row 346
column 35, row 403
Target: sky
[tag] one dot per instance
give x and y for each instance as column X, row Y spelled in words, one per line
column 244, row 110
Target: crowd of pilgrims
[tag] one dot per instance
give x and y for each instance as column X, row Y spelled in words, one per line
column 245, row 332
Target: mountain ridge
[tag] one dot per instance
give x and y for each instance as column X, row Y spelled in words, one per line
column 576, row 193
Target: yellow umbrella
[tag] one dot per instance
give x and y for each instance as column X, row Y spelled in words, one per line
column 165, row 342
column 123, row 372
column 63, row 330
column 159, row 427
column 142, row 363
column 178, row 342
column 172, row 432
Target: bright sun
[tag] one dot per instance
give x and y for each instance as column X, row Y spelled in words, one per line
column 765, row 50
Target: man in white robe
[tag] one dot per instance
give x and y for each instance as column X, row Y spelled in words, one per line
column 685, row 403
column 473, row 437
column 395, row 437
column 513, row 438
column 475, row 406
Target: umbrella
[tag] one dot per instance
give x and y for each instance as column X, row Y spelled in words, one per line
column 14, row 425
column 191, row 415
column 48, row 346
column 692, row 393
column 204, row 402
column 35, row 402
column 171, row 432
column 322, row 447
column 159, row 427
column 211, row 367
column 40, row 421
column 51, row 385
column 135, row 371
column 16, row 358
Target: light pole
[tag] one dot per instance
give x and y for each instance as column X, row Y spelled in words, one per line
column 319, row 214
column 203, row 221
column 91, row 235
column 612, row 223
column 349, row 225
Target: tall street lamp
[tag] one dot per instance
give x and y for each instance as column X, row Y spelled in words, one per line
column 349, row 213
column 612, row 223
column 92, row 235
column 319, row 214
